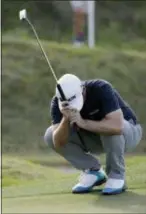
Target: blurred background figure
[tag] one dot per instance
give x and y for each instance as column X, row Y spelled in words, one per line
column 80, row 10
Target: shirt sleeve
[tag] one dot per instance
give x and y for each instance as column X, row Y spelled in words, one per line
column 108, row 99
column 56, row 115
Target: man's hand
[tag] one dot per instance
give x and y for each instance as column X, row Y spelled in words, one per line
column 76, row 118
column 65, row 109
column 71, row 115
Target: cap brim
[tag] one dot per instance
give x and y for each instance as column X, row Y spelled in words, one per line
column 77, row 103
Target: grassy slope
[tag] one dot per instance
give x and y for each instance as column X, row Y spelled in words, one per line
column 27, row 85
column 31, row 187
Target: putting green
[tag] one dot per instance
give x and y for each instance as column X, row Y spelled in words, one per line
column 48, row 190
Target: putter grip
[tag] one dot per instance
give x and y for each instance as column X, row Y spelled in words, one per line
column 61, row 93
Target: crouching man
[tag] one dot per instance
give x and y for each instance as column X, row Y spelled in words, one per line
column 106, row 123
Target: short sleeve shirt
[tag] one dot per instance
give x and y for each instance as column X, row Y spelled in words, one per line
column 100, row 99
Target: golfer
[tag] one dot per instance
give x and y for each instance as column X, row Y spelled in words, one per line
column 106, row 123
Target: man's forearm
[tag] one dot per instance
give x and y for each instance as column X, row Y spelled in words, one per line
column 60, row 135
column 103, row 127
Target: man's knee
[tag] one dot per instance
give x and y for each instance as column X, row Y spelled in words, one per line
column 113, row 142
column 48, row 137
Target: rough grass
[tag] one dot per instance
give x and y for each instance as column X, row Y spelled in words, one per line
column 27, row 84
column 49, row 189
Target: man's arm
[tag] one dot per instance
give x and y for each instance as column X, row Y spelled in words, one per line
column 60, row 120
column 112, row 124
column 61, row 133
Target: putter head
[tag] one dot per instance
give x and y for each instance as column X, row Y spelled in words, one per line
column 22, row 14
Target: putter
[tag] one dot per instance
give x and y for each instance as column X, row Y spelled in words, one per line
column 23, row 16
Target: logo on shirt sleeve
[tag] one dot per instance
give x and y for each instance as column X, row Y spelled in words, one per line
column 94, row 112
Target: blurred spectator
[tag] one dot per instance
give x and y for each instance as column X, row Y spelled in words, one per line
column 79, row 17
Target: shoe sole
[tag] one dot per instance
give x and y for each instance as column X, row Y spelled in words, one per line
column 98, row 183
column 115, row 193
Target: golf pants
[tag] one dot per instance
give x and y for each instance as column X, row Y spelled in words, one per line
column 114, row 147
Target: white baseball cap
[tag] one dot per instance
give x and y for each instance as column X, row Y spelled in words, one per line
column 72, row 89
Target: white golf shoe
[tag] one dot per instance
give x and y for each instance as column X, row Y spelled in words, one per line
column 88, row 179
column 114, row 186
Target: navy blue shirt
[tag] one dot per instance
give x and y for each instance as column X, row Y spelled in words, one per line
column 101, row 99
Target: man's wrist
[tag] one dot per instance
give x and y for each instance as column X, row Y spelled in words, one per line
column 65, row 119
column 83, row 124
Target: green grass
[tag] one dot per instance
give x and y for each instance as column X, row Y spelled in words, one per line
column 30, row 186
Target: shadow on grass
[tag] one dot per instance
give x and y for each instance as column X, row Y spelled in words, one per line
column 126, row 201
column 95, row 191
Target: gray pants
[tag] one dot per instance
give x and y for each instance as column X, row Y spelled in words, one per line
column 114, row 146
